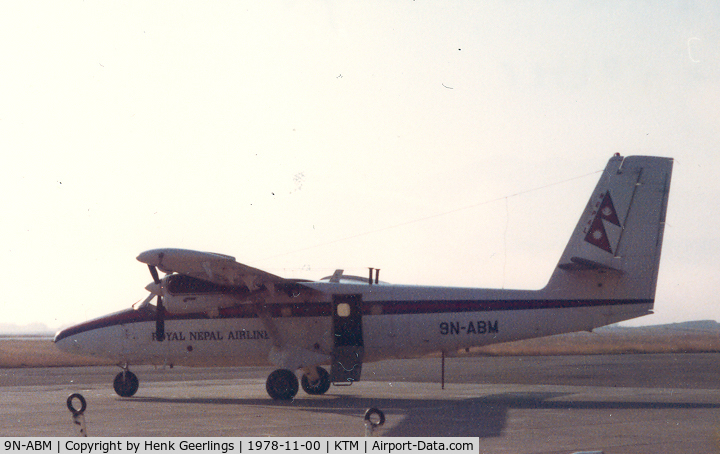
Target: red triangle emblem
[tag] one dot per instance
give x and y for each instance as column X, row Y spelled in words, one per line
column 597, row 235
column 606, row 210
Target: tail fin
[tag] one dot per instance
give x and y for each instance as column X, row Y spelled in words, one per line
column 614, row 252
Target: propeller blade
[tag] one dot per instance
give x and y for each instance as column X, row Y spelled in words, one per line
column 160, row 320
column 154, row 273
column 160, row 313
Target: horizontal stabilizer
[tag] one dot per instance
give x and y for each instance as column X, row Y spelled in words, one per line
column 581, row 264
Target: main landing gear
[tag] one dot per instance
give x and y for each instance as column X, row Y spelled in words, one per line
column 282, row 384
column 317, row 386
column 126, row 383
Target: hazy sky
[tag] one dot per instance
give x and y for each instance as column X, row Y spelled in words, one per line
column 301, row 137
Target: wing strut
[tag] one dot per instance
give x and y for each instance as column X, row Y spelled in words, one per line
column 284, row 354
column 262, row 312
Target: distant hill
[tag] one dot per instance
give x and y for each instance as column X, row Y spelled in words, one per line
column 31, row 328
column 686, row 337
column 699, row 325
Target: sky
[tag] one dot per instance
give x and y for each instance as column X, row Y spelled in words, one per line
column 446, row 143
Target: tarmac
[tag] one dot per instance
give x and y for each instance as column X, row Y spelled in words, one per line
column 614, row 404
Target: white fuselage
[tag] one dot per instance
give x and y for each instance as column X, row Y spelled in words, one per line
column 397, row 322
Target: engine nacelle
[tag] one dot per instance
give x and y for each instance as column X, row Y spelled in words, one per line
column 186, row 295
column 189, row 304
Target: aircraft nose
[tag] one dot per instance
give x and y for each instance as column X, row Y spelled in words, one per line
column 101, row 337
column 64, row 341
column 63, row 334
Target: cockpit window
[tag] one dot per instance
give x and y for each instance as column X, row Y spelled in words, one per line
column 179, row 284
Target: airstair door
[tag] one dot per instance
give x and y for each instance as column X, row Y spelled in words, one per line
column 349, row 347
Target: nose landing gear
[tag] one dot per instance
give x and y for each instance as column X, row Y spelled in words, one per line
column 126, row 383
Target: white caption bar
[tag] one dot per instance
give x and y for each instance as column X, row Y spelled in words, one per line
column 218, row 445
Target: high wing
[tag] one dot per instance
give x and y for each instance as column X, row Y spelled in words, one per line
column 223, row 270
column 216, row 268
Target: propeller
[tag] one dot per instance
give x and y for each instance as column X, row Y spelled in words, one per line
column 160, row 313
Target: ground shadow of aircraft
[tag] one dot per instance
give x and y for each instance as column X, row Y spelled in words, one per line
column 482, row 417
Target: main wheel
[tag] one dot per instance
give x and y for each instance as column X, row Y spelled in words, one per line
column 320, row 386
column 282, row 384
column 126, row 384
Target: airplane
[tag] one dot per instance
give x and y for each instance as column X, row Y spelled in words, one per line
column 210, row 310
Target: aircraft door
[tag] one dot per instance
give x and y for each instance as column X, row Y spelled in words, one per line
column 348, row 349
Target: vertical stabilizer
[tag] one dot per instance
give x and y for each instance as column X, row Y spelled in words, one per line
column 614, row 252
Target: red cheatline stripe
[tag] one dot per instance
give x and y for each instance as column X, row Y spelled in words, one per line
column 129, row 316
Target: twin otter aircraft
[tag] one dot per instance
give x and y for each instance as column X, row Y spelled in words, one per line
column 213, row 311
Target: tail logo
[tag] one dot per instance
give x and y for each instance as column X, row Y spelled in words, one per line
column 596, row 233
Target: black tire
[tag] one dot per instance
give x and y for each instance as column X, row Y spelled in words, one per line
column 126, row 384
column 71, row 405
column 320, row 386
column 282, row 384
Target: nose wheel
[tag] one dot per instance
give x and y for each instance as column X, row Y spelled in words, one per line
column 126, row 383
